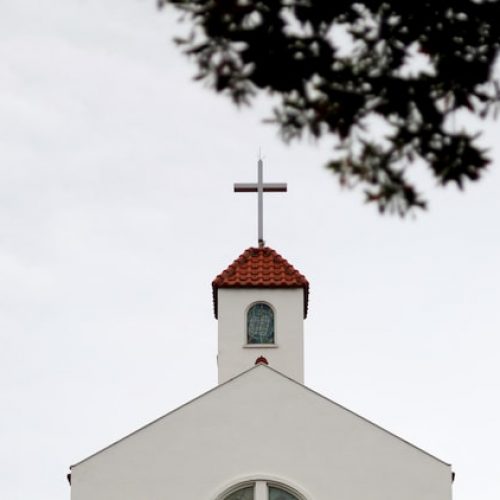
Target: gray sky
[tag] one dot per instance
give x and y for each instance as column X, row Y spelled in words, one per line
column 117, row 211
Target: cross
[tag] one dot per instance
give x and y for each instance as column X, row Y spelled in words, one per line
column 260, row 188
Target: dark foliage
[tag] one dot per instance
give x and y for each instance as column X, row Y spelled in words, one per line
column 366, row 89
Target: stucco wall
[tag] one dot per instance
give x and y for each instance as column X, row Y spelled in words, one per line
column 235, row 356
column 261, row 425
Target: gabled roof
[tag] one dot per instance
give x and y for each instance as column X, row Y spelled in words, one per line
column 271, row 372
column 260, row 267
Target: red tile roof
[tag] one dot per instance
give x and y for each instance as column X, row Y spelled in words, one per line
column 260, row 267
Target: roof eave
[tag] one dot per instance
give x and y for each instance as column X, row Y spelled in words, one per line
column 304, row 287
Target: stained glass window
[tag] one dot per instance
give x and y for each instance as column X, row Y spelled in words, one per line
column 260, row 324
column 242, row 494
column 279, row 494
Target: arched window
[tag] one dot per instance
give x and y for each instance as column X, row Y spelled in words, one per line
column 264, row 491
column 260, row 324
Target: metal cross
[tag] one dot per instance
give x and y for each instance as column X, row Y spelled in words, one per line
column 260, row 188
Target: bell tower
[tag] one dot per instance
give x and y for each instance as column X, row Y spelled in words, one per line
column 260, row 302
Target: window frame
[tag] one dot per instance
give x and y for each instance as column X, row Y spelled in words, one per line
column 273, row 310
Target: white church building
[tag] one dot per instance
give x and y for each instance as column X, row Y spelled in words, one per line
column 261, row 434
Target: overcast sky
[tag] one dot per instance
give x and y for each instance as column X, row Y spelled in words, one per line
column 117, row 211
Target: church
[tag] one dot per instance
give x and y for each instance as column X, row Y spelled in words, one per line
column 261, row 434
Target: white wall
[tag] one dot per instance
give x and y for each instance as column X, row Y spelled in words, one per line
column 287, row 355
column 257, row 426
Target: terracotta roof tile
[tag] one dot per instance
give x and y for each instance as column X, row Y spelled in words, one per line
column 260, row 267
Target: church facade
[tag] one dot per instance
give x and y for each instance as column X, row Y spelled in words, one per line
column 261, row 434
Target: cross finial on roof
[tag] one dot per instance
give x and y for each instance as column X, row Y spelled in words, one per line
column 260, row 188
